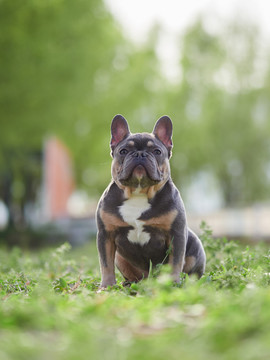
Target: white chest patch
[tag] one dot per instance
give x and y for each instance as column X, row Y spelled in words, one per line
column 131, row 210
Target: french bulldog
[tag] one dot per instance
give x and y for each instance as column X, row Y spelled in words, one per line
column 140, row 217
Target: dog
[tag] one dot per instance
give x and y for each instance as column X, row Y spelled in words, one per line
column 140, row 217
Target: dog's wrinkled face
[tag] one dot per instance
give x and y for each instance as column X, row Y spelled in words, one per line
column 140, row 160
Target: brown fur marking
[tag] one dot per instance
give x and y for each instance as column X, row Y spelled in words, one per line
column 115, row 168
column 163, row 222
column 107, row 268
column 110, row 221
column 130, row 272
column 152, row 190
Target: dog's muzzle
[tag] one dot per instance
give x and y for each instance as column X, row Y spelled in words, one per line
column 140, row 164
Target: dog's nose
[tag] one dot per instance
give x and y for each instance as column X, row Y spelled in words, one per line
column 140, row 154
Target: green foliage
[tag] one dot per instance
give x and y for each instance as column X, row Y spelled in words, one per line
column 223, row 112
column 51, row 307
column 67, row 68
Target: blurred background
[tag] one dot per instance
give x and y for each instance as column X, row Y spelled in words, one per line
column 67, row 67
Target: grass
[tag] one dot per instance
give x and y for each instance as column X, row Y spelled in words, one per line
column 51, row 308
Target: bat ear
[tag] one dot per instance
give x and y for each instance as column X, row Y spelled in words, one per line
column 163, row 131
column 119, row 130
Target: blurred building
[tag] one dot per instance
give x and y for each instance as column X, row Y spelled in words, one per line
column 3, row 215
column 58, row 179
column 66, row 210
column 55, row 211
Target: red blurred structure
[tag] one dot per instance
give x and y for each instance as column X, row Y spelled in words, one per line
column 58, row 178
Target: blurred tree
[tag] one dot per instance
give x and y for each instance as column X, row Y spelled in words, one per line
column 219, row 103
column 66, row 68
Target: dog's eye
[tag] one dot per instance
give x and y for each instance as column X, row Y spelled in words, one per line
column 157, row 152
column 123, row 152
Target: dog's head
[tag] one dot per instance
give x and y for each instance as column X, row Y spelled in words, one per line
column 141, row 160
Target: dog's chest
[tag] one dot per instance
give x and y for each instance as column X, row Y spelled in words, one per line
column 131, row 211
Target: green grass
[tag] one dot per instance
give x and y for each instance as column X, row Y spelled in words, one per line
column 51, row 308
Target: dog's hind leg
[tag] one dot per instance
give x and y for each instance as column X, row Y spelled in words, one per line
column 195, row 256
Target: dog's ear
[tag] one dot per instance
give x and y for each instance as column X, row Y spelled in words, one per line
column 163, row 131
column 119, row 130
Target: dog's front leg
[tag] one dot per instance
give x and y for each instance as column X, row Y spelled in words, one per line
column 177, row 253
column 106, row 248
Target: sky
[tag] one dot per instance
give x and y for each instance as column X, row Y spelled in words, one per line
column 138, row 17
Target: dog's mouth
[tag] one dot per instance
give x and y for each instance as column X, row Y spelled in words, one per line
column 139, row 171
column 140, row 175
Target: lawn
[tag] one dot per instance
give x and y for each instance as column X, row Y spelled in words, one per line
column 51, row 307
